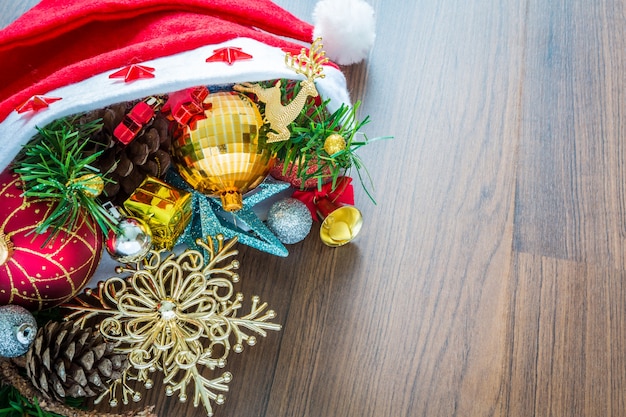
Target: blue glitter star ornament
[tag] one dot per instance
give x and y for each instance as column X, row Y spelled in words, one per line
column 209, row 219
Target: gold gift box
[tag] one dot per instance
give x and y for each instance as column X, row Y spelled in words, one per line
column 166, row 210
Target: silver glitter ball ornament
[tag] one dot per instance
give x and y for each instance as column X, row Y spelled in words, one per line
column 18, row 329
column 132, row 242
column 290, row 220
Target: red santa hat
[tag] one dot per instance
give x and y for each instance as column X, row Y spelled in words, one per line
column 62, row 56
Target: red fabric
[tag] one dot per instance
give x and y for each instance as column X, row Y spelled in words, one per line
column 59, row 42
column 343, row 193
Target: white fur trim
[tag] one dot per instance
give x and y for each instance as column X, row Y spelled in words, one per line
column 172, row 73
column 347, row 28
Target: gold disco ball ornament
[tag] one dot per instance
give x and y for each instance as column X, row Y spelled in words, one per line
column 219, row 155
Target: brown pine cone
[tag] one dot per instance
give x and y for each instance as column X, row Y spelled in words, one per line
column 128, row 165
column 67, row 361
column 9, row 374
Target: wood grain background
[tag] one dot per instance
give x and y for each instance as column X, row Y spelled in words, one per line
column 488, row 279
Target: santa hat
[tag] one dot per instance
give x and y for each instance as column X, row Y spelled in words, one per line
column 63, row 56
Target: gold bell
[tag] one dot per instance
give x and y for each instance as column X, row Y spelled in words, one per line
column 341, row 223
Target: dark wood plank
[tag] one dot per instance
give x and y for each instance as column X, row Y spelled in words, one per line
column 415, row 311
column 568, row 330
column 572, row 207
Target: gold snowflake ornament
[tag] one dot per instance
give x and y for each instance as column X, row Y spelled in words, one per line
column 176, row 315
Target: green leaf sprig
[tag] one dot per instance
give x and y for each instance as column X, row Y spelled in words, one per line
column 14, row 404
column 305, row 148
column 53, row 166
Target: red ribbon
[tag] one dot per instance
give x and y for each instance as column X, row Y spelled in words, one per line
column 342, row 193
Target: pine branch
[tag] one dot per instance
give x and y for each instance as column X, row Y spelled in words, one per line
column 54, row 166
column 306, row 147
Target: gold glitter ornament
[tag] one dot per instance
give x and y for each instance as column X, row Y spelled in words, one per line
column 220, row 155
column 92, row 184
column 177, row 315
column 334, row 143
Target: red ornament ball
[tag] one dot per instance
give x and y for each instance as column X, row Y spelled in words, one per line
column 290, row 174
column 33, row 273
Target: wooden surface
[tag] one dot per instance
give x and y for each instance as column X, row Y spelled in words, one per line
column 488, row 279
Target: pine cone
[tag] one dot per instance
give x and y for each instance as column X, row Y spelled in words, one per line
column 128, row 165
column 67, row 361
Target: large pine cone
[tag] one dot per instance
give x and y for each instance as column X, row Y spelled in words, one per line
column 67, row 361
column 128, row 165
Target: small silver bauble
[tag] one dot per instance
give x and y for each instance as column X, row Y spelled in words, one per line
column 132, row 242
column 290, row 220
column 18, row 329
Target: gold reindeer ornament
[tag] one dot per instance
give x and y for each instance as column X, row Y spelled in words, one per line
column 279, row 116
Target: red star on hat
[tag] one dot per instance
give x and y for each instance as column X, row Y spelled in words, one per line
column 36, row 103
column 228, row 55
column 133, row 72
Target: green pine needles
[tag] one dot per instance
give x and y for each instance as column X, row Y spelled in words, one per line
column 14, row 404
column 54, row 166
column 308, row 144
column 306, row 147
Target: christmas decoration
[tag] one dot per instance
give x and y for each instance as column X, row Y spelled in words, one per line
column 186, row 104
column 332, row 205
column 228, row 55
column 133, row 72
column 127, row 166
column 17, row 331
column 306, row 155
column 341, row 223
column 178, row 315
column 166, row 209
column 302, row 177
column 54, row 167
column 220, row 156
column 289, row 219
column 279, row 116
column 165, row 42
column 173, row 317
column 136, row 119
column 341, row 193
column 132, row 242
column 36, row 103
column 67, row 361
column 209, row 219
column 21, row 398
column 37, row 271
column 334, row 144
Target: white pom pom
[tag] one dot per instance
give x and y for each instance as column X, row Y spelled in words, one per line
column 347, row 29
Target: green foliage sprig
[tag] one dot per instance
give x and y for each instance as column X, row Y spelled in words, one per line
column 14, row 404
column 53, row 166
column 305, row 148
